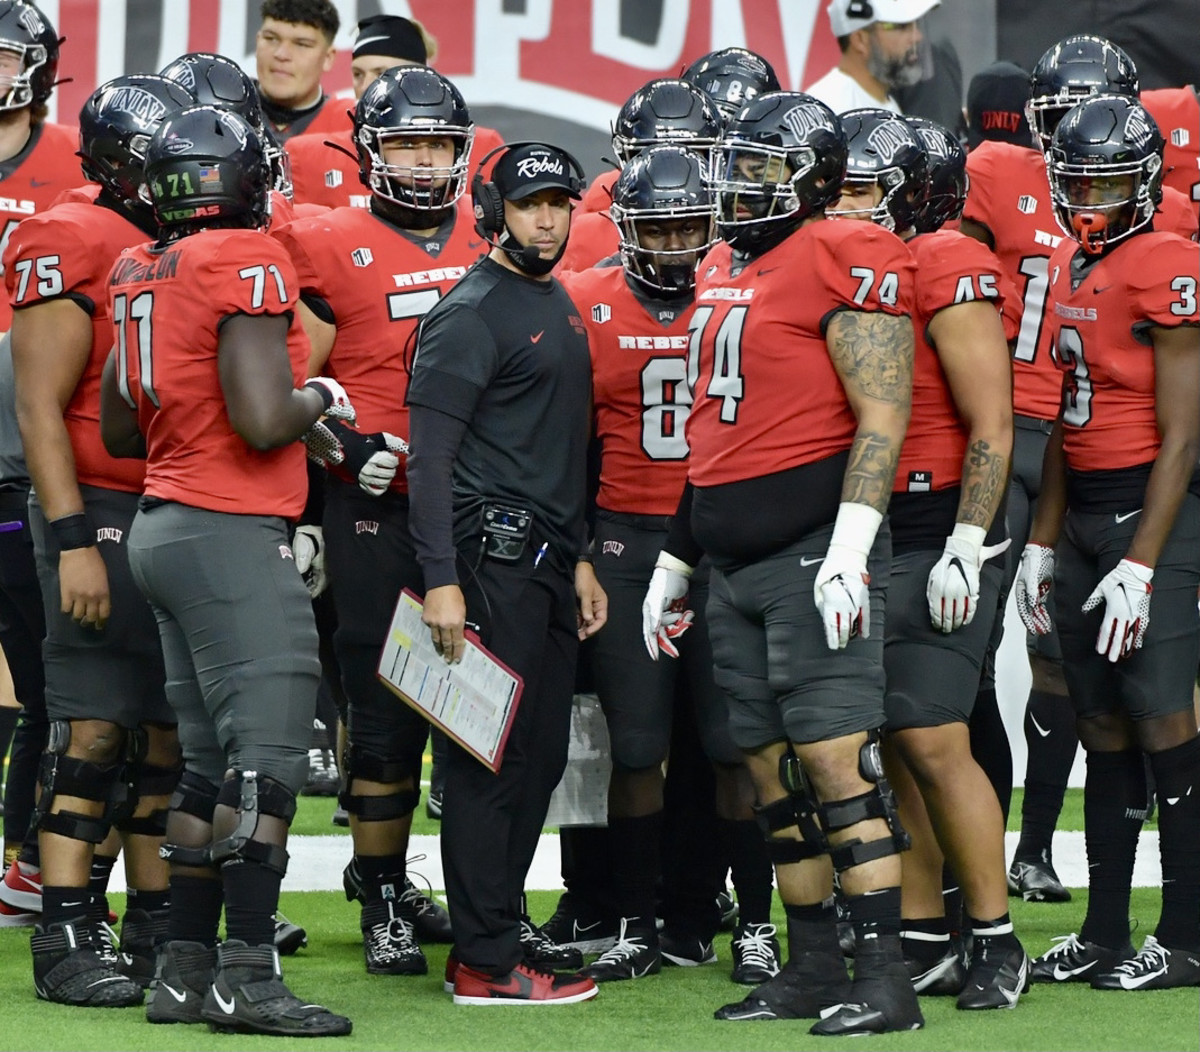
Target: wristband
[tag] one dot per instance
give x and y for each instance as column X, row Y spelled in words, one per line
column 855, row 527
column 72, row 531
column 967, row 534
column 586, row 557
column 666, row 561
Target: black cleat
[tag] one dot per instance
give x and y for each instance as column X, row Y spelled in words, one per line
column 944, row 977
column 430, row 919
column 755, row 954
column 730, row 911
column 1074, row 960
column 388, row 942
column 248, row 996
column 72, row 965
column 1154, row 967
column 881, row 998
column 574, row 924
column 289, row 937
column 1035, row 880
column 142, row 932
column 543, row 953
column 634, row 956
column 996, row 978
column 184, row 974
column 803, row 989
column 686, row 951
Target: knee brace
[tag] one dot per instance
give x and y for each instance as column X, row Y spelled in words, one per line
column 62, row 775
column 144, row 779
column 372, row 768
column 798, row 808
column 879, row 802
column 251, row 796
column 197, row 797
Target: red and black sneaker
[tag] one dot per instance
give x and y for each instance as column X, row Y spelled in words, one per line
column 524, row 985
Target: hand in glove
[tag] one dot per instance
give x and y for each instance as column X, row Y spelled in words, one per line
column 953, row 587
column 841, row 591
column 333, row 395
column 1125, row 591
column 382, row 451
column 308, row 549
column 1035, row 576
column 664, row 608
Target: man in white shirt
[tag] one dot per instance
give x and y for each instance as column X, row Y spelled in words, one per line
column 882, row 49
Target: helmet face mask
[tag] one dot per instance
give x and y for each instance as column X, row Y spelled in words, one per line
column 665, row 111
column 948, row 182
column 660, row 201
column 1105, row 168
column 1072, row 70
column 26, row 35
column 885, row 150
column 780, row 161
column 413, row 106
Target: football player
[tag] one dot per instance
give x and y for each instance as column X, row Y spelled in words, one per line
column 1117, row 533
column 207, row 382
column 787, row 420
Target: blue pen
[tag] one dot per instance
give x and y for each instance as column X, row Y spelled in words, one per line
column 541, row 551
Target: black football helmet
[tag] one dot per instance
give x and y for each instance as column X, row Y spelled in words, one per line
column 662, row 183
column 1070, row 71
column 115, row 126
column 206, row 165
column 885, row 151
column 779, row 161
column 412, row 101
column 946, row 188
column 665, row 111
column 732, row 77
column 27, row 32
column 1102, row 137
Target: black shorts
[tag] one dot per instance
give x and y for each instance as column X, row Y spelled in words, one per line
column 932, row 676
column 1158, row 678
column 638, row 695
column 22, row 619
column 770, row 653
column 114, row 674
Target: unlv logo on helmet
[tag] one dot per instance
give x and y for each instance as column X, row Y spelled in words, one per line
column 887, row 139
column 136, row 102
column 802, row 120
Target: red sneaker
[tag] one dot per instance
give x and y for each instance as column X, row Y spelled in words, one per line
column 22, row 887
column 15, row 917
column 524, row 985
column 451, row 974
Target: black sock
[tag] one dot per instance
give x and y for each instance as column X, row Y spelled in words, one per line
column 990, row 746
column 952, row 899
column 925, row 940
column 382, row 876
column 1052, row 741
column 750, row 865
column 1114, row 808
column 636, row 864
column 196, row 909
column 251, row 898
column 1177, row 781
column 62, row 903
column 102, row 867
column 150, row 901
column 812, row 928
column 997, row 932
column 874, row 914
column 587, row 867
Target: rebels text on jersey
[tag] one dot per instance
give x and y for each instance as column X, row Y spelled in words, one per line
column 48, row 165
column 174, row 299
column 379, row 284
column 1010, row 195
column 67, row 251
column 1101, row 342
column 640, row 390
column 767, row 397
column 951, row 268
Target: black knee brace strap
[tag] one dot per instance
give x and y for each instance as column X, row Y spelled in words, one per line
column 148, row 779
column 371, row 767
column 252, row 796
column 66, row 776
column 195, row 796
column 785, row 813
column 842, row 814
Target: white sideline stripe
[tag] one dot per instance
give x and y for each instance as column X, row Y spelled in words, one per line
column 317, row 862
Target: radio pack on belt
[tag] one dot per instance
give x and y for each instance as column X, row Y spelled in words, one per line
column 505, row 531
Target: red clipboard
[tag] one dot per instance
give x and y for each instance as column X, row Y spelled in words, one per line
column 473, row 702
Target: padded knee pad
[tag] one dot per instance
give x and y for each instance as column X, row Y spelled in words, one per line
column 251, row 796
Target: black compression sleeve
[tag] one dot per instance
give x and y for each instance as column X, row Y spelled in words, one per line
column 435, row 438
column 680, row 542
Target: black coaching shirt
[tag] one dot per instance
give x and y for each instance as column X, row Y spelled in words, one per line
column 508, row 357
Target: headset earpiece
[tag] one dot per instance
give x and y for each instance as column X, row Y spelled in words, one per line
column 485, row 196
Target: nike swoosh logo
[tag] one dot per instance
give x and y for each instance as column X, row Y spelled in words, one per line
column 582, row 929
column 1130, row 982
column 1033, row 719
column 173, row 992
column 1101, row 288
column 474, row 244
column 226, row 1006
column 519, row 985
column 534, row 339
column 40, row 182
column 806, row 561
column 1062, row 974
column 1127, row 515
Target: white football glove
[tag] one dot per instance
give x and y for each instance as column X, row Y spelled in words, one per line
column 1035, row 576
column 1125, row 591
column 953, row 587
column 664, row 613
column 322, row 445
column 333, row 395
column 379, row 469
column 308, row 548
column 841, row 588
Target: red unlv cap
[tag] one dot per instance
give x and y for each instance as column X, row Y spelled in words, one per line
column 527, row 169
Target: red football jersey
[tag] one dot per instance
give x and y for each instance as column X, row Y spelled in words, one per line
column 1099, row 337
column 67, row 251
column 48, row 167
column 766, row 395
column 1176, row 111
column 951, row 268
column 174, row 299
column 640, row 391
column 325, row 175
column 598, row 196
column 594, row 236
column 379, row 284
column 1010, row 195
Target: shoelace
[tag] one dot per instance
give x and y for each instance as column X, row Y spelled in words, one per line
column 1150, row 958
column 532, row 935
column 1064, row 946
column 755, row 944
column 387, row 941
column 412, row 895
column 623, row 949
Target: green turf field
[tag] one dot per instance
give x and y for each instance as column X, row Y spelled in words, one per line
column 669, row 1011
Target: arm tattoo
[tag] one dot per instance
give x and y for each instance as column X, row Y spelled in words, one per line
column 874, row 352
column 871, row 470
column 985, row 478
